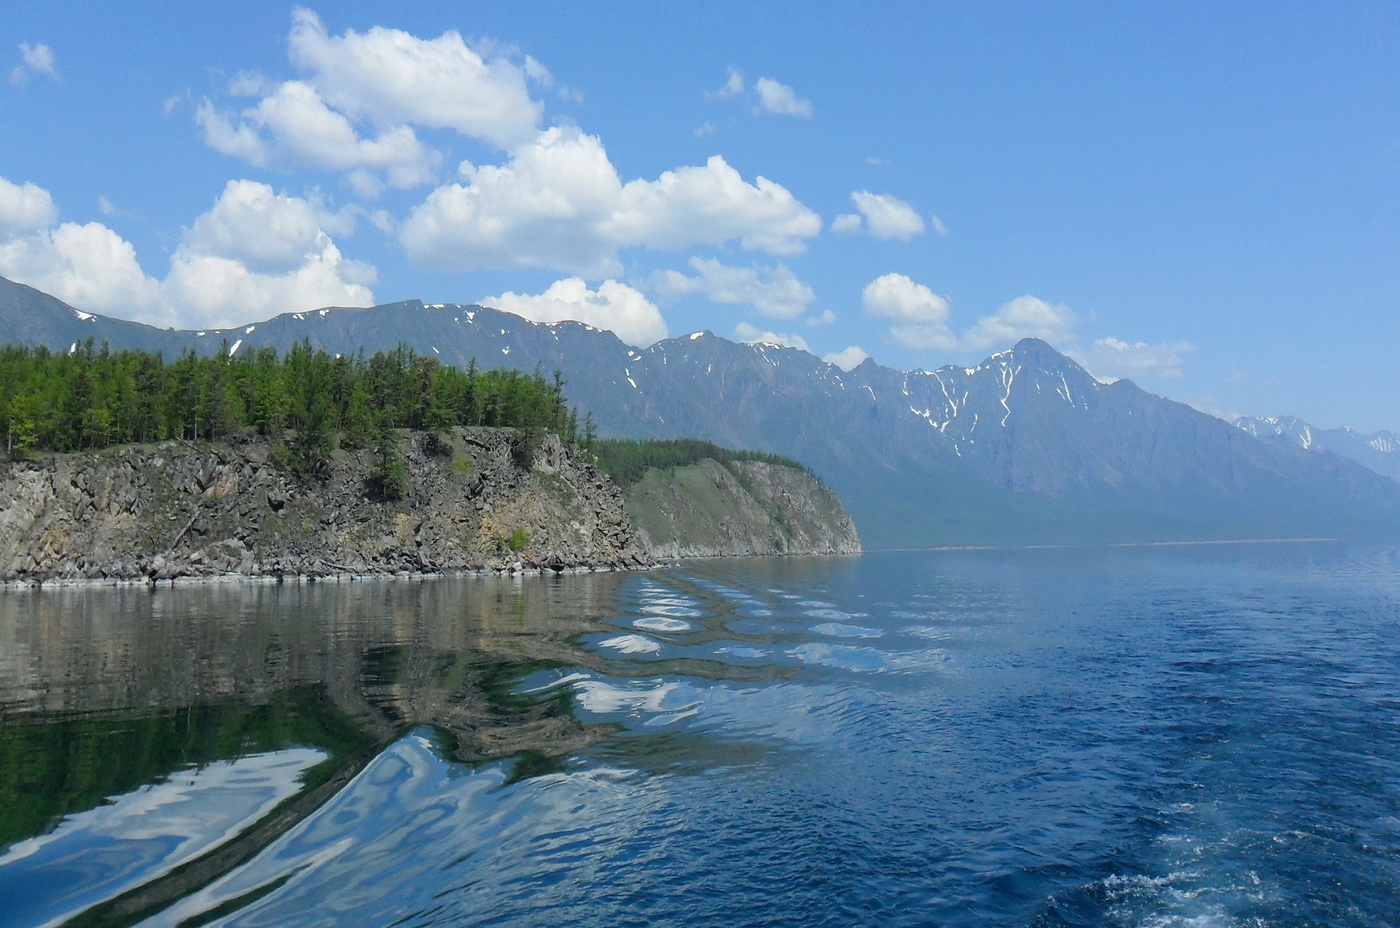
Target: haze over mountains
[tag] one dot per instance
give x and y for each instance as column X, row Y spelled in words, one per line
column 1025, row 448
column 1379, row 451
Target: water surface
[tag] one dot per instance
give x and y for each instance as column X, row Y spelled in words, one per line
column 1163, row 736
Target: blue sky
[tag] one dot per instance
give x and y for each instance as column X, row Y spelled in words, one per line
column 1201, row 197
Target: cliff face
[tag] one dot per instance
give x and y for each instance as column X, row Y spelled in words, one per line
column 744, row 508
column 180, row 510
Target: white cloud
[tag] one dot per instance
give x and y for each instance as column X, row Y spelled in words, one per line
column 559, row 202
column 847, row 358
column 733, row 85
column 846, row 224
column 88, row 266
column 268, row 232
column 252, row 255
column 208, row 290
column 1023, row 317
column 613, row 306
column 920, row 319
column 301, row 130
column 920, row 316
column 25, row 208
column 772, row 291
column 1113, row 357
column 774, row 97
column 938, row 225
column 888, row 217
column 827, row 317
column 537, row 73
column 752, row 335
column 393, row 78
column 37, row 59
column 257, row 253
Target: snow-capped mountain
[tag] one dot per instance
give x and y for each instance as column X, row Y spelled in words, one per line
column 1379, row 451
column 1025, row 447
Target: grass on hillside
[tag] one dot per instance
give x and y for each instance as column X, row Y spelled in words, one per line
column 626, row 461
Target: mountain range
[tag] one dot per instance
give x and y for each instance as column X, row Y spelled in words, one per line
column 1025, row 448
column 1379, row 451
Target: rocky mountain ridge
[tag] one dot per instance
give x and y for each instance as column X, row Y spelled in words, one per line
column 1380, row 451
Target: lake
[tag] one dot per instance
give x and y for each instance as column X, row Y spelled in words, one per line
column 1204, row 735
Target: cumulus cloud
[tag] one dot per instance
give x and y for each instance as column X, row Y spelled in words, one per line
column 921, row 319
column 772, row 291
column 774, row 97
column 559, row 202
column 920, row 316
column 255, row 253
column 847, row 358
column 355, row 110
column 1113, row 357
column 1023, row 317
column 888, row 217
column 88, row 266
column 614, row 306
column 752, row 335
column 393, row 78
column 293, row 126
column 827, row 317
column 266, row 231
column 35, row 59
column 25, row 208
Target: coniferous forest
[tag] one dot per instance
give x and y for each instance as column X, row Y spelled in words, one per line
column 91, row 398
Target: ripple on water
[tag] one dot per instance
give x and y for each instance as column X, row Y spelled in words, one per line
column 659, row 623
column 631, row 644
column 840, row 630
column 653, row 702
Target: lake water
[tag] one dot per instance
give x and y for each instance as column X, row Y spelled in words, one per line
column 1183, row 736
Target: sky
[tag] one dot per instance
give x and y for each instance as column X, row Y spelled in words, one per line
column 1201, row 197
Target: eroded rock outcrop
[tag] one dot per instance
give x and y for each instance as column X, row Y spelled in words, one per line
column 176, row 510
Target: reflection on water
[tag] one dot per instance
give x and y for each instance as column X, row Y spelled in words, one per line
column 196, row 711
column 1182, row 737
column 140, row 836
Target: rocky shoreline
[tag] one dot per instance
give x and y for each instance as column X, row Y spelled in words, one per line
column 180, row 512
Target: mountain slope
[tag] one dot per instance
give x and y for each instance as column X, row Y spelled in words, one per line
column 1024, row 448
column 1379, row 451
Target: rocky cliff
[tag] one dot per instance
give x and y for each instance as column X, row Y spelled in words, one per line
column 180, row 510
column 741, row 508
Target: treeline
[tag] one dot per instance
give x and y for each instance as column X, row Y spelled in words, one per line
column 627, row 461
column 91, row 398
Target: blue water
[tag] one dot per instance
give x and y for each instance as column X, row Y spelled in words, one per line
column 1202, row 736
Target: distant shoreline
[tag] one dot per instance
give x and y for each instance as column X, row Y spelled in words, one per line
column 1115, row 544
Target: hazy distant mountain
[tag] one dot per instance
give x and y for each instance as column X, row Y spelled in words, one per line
column 1025, row 448
column 1379, row 451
